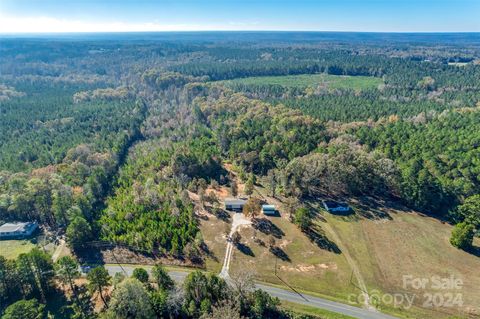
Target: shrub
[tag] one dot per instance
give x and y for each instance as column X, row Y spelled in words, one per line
column 462, row 236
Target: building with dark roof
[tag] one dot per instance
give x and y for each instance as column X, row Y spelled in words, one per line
column 234, row 204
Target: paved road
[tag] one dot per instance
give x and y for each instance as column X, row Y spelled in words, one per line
column 317, row 302
column 282, row 294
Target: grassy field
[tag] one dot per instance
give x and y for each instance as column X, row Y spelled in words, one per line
column 311, row 311
column 305, row 265
column 385, row 243
column 308, row 267
column 401, row 243
column 313, row 80
column 10, row 249
column 213, row 230
column 409, row 244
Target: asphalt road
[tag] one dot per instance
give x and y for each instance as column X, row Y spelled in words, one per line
column 282, row 294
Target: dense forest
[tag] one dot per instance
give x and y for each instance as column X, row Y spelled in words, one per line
column 108, row 139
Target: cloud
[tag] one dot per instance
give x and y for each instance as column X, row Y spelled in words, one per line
column 44, row 24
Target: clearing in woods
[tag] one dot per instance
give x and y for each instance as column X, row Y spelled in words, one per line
column 11, row 249
column 356, row 83
column 383, row 247
column 406, row 243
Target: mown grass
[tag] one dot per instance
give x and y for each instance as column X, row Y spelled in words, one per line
column 308, row 267
column 312, row 311
column 213, row 231
column 356, row 83
column 11, row 249
column 384, row 250
column 409, row 244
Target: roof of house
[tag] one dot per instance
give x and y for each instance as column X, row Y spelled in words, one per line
column 268, row 207
column 235, row 201
column 12, row 227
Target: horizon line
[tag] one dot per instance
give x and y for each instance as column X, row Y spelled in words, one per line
column 230, row 31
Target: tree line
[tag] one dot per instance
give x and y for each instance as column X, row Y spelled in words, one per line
column 32, row 281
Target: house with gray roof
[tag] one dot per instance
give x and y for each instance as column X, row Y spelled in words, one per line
column 17, row 230
column 234, row 204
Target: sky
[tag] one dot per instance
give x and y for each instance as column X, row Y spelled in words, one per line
column 46, row 16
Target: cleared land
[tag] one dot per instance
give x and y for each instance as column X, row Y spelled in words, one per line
column 313, row 80
column 321, row 313
column 385, row 244
column 214, row 232
column 10, row 249
column 302, row 264
column 409, row 244
column 305, row 265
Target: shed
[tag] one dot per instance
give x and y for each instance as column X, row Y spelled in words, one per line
column 269, row 209
column 17, row 230
column 235, row 204
column 334, row 207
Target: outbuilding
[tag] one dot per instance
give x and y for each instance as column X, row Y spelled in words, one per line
column 269, row 209
column 17, row 230
column 335, row 207
column 234, row 204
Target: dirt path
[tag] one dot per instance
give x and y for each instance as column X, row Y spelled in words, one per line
column 353, row 265
column 58, row 252
column 238, row 220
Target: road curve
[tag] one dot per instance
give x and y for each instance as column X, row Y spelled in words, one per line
column 282, row 294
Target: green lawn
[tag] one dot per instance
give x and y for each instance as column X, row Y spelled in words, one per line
column 385, row 250
column 10, row 249
column 312, row 80
column 308, row 267
column 213, row 230
column 312, row 311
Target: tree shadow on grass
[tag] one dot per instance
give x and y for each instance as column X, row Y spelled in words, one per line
column 223, row 215
column 475, row 250
column 245, row 249
column 367, row 207
column 206, row 250
column 203, row 217
column 267, row 227
column 373, row 208
column 372, row 213
column 279, row 253
column 317, row 235
column 100, row 252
